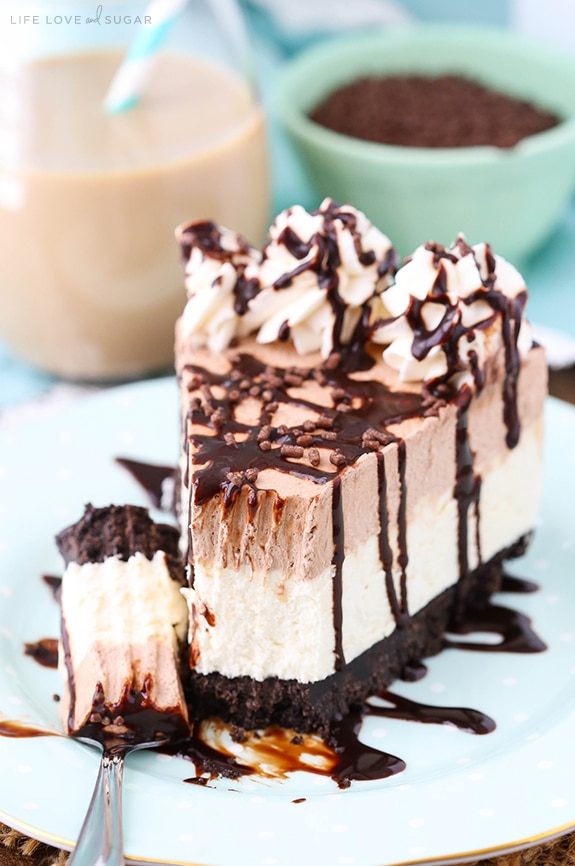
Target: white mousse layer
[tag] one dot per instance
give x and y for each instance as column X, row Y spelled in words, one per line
column 122, row 602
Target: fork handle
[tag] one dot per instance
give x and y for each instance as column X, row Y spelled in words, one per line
column 100, row 841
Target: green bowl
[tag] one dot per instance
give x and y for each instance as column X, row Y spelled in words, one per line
column 510, row 197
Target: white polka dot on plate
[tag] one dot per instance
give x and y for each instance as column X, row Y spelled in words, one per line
column 476, row 777
column 340, row 828
column 30, row 806
column 544, row 765
column 509, row 681
column 436, row 688
column 558, row 803
column 541, row 564
column 266, row 834
column 379, row 733
column 127, row 437
column 63, row 512
column 321, row 782
column 486, row 812
column 416, row 822
column 186, row 837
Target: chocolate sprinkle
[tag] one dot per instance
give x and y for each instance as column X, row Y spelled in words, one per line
column 430, row 111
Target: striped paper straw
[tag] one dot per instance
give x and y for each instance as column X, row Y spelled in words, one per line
column 130, row 79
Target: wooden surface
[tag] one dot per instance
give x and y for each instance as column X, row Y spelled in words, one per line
column 17, row 850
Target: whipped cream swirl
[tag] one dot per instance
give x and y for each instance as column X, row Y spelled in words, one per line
column 321, row 275
column 221, row 276
column 448, row 308
column 317, row 281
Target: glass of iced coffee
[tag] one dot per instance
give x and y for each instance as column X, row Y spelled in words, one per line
column 90, row 278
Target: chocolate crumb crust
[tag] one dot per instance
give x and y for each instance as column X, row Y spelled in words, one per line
column 305, row 707
column 121, row 531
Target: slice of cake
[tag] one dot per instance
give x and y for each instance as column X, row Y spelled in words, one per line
column 124, row 627
column 362, row 448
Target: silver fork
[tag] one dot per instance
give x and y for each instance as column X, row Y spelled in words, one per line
column 100, row 842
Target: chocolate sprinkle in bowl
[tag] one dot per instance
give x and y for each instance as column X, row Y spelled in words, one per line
column 436, row 129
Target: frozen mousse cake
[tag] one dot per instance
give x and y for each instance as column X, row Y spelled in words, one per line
column 124, row 627
column 361, row 450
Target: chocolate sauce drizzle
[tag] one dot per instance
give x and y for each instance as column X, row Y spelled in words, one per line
column 355, row 425
column 132, row 719
column 514, row 628
column 402, row 531
column 338, row 557
column 21, row 731
column 357, row 761
column 151, row 477
column 467, row 487
column 43, row 651
column 385, row 551
column 465, row 719
column 54, row 582
column 451, row 330
column 509, row 583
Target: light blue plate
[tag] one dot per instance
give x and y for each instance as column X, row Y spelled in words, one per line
column 461, row 795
